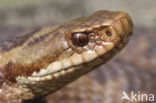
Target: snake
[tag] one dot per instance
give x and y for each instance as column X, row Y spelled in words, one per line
column 43, row 61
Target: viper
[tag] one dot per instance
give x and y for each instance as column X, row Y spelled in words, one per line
column 45, row 60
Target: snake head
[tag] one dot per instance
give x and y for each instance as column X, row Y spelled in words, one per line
column 76, row 48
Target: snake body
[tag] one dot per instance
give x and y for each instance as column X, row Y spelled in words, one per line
column 43, row 61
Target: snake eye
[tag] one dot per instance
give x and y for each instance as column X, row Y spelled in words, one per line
column 80, row 39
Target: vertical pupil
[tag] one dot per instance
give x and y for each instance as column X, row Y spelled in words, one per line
column 80, row 39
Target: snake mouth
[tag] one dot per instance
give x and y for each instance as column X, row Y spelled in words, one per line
column 71, row 64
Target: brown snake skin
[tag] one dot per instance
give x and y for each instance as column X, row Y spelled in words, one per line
column 126, row 72
column 106, row 85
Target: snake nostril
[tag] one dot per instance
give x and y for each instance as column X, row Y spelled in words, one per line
column 108, row 33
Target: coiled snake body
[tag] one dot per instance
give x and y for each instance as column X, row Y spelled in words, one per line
column 43, row 61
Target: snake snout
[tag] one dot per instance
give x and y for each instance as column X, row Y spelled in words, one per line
column 127, row 25
column 123, row 28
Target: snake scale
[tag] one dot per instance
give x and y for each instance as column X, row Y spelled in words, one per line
column 45, row 60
